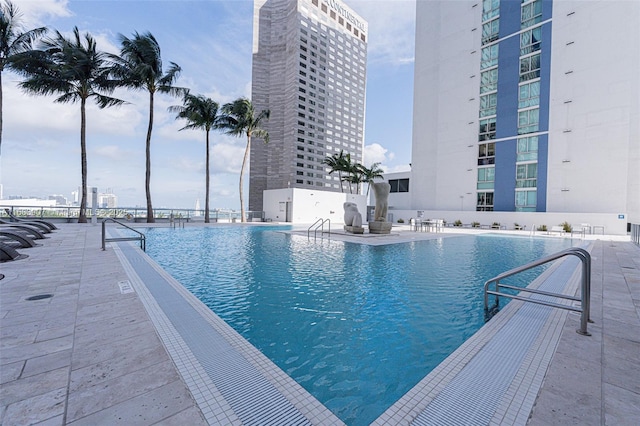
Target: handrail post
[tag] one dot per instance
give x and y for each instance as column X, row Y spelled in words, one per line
column 103, row 232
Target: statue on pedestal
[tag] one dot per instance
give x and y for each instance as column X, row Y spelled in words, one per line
column 380, row 225
column 352, row 218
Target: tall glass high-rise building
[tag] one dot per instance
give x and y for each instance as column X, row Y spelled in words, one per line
column 527, row 106
column 309, row 70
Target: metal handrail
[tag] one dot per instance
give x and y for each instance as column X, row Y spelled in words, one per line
column 141, row 236
column 318, row 224
column 585, row 288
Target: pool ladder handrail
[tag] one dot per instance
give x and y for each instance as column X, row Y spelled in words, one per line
column 585, row 288
column 141, row 237
column 319, row 224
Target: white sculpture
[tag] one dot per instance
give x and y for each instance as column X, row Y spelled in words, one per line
column 380, row 225
column 352, row 218
column 381, row 191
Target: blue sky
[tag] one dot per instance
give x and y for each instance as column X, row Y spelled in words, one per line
column 211, row 40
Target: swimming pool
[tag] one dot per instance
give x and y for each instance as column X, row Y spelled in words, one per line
column 356, row 325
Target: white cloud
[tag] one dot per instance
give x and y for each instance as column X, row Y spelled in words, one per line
column 227, row 158
column 376, row 153
column 391, row 29
column 112, row 152
column 36, row 13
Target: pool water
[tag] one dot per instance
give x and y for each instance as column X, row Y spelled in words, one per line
column 355, row 325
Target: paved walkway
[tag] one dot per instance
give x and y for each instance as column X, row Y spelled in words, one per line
column 88, row 355
column 91, row 355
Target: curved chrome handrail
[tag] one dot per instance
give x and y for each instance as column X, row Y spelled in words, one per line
column 141, row 236
column 585, row 288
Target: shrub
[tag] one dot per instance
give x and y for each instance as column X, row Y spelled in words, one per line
column 566, row 226
column 542, row 228
column 401, row 220
column 457, row 223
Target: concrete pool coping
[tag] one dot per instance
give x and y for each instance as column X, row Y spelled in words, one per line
column 28, row 359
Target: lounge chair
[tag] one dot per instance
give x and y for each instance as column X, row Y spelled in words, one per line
column 41, row 226
column 14, row 218
column 16, row 238
column 31, row 231
column 8, row 253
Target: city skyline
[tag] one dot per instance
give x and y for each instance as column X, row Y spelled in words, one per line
column 211, row 41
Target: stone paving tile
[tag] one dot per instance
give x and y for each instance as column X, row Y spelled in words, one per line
column 145, row 409
column 622, row 407
column 107, row 393
column 48, row 362
column 36, row 409
column 87, row 355
column 126, row 363
column 191, row 416
column 27, row 387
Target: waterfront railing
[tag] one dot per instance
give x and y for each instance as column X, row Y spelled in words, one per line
column 134, row 214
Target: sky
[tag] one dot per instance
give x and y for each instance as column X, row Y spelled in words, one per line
column 211, row 40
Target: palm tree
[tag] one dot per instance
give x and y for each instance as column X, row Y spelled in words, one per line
column 353, row 175
column 240, row 119
column 77, row 71
column 200, row 113
column 13, row 41
column 338, row 163
column 370, row 174
column 139, row 67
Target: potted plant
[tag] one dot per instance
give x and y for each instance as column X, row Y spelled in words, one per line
column 495, row 225
column 566, row 226
column 475, row 224
column 457, row 223
column 542, row 228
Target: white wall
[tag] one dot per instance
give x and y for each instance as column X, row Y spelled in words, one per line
column 398, row 200
column 594, row 131
column 310, row 205
column 612, row 224
column 445, row 112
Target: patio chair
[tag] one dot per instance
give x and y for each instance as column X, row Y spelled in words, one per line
column 16, row 238
column 40, row 226
column 14, row 218
column 8, row 253
column 31, row 231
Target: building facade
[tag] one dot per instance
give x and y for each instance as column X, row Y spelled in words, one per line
column 527, row 106
column 309, row 70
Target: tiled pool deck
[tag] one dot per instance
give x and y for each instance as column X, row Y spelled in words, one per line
column 107, row 349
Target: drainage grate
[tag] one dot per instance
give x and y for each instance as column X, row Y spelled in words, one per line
column 40, row 297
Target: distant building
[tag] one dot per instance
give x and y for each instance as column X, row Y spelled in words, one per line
column 60, row 200
column 106, row 199
column 309, row 70
column 527, row 106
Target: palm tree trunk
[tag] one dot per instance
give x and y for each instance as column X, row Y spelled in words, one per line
column 1, row 101
column 244, row 162
column 206, row 198
column 147, row 181
column 340, row 177
column 82, row 217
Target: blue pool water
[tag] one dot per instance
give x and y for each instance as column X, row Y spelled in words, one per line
column 355, row 325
